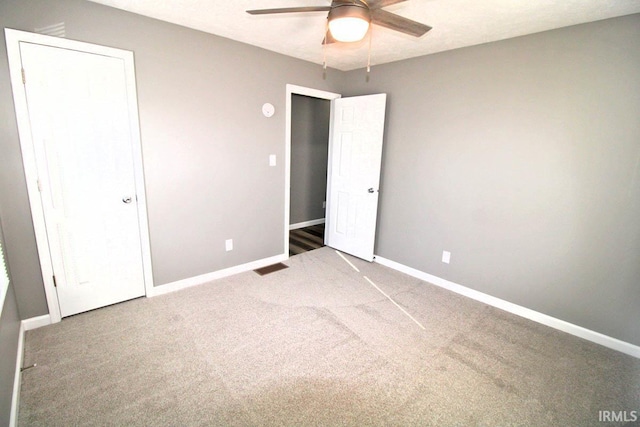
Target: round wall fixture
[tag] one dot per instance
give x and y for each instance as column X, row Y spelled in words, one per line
column 268, row 110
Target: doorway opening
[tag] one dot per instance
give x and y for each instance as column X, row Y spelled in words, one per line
column 356, row 129
column 307, row 147
column 310, row 119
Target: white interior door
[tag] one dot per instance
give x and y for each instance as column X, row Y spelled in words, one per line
column 355, row 155
column 82, row 141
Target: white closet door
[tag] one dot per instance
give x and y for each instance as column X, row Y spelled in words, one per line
column 82, row 136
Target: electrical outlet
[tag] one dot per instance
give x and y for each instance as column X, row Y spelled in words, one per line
column 446, row 257
column 228, row 244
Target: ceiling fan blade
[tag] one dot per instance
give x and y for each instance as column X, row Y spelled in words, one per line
column 398, row 23
column 290, row 10
column 379, row 4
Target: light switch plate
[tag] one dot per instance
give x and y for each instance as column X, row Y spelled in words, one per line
column 272, row 160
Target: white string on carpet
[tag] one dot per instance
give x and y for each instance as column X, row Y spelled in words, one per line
column 381, row 291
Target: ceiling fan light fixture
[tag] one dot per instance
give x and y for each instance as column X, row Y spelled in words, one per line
column 349, row 23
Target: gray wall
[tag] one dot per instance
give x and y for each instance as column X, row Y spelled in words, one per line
column 309, row 153
column 521, row 158
column 9, row 335
column 205, row 142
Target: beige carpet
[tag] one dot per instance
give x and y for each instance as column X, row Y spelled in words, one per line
column 317, row 345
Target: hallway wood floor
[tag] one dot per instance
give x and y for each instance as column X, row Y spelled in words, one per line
column 306, row 239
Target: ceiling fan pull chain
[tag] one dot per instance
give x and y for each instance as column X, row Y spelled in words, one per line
column 324, row 68
column 369, row 57
column 324, row 57
column 324, row 51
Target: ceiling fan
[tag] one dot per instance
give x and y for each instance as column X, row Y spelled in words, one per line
column 349, row 20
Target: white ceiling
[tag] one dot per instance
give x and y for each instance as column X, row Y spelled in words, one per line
column 456, row 23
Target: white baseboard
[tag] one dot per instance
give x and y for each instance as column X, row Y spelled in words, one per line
column 570, row 328
column 25, row 325
column 306, row 224
column 208, row 277
column 15, row 397
column 36, row 322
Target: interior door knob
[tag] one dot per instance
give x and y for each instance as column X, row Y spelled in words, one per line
column 126, row 199
column 371, row 190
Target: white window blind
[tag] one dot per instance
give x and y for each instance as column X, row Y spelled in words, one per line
column 4, row 278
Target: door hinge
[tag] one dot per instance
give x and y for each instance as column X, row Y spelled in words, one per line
column 24, row 79
column 39, row 186
column 55, row 285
